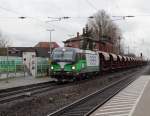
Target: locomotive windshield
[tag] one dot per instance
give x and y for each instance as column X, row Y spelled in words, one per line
column 61, row 55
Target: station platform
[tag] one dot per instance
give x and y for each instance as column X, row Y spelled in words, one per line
column 22, row 81
column 134, row 100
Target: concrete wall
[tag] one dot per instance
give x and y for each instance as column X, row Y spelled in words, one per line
column 29, row 59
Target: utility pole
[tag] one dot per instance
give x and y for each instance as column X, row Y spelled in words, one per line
column 7, row 64
column 50, row 47
column 119, row 45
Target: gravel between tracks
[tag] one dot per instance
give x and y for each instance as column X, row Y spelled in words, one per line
column 47, row 102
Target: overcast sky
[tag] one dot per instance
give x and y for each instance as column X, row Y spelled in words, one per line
column 29, row 31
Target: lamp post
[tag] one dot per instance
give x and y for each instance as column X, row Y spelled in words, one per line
column 7, row 65
column 50, row 47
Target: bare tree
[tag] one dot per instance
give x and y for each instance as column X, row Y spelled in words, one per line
column 3, row 41
column 102, row 27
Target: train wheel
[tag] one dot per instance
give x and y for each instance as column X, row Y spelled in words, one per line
column 83, row 76
column 74, row 79
column 88, row 76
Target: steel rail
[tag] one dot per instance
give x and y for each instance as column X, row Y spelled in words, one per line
column 89, row 103
column 15, row 94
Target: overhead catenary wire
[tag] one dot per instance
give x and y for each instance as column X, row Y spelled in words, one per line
column 21, row 16
column 91, row 4
column 9, row 10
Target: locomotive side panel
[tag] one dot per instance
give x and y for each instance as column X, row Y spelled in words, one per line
column 92, row 61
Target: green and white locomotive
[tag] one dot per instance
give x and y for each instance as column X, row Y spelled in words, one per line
column 73, row 63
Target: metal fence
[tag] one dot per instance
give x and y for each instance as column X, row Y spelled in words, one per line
column 42, row 67
column 14, row 67
column 11, row 66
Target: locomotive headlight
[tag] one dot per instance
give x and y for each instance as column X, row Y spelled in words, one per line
column 52, row 67
column 73, row 67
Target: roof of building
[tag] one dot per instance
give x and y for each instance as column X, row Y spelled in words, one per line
column 79, row 39
column 104, row 39
column 74, row 39
column 47, row 44
column 17, row 51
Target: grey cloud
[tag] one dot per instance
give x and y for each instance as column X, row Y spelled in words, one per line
column 30, row 31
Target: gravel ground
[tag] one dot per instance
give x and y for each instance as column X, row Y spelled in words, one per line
column 47, row 102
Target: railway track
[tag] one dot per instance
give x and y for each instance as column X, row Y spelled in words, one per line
column 12, row 94
column 88, row 104
column 16, row 93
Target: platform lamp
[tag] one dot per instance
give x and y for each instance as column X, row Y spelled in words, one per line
column 50, row 40
column 50, row 47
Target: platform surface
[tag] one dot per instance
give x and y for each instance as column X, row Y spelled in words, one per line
column 22, row 81
column 134, row 100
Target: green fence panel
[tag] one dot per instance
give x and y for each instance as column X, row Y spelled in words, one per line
column 12, row 64
column 42, row 66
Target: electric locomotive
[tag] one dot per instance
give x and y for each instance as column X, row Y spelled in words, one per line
column 73, row 63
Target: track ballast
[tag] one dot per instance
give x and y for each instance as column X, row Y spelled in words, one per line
column 86, row 105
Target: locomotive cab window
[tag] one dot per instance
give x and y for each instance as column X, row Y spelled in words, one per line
column 60, row 55
column 78, row 56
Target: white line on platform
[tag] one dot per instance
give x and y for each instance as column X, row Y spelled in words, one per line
column 116, row 108
column 138, row 99
column 123, row 99
column 120, row 105
column 104, row 113
column 125, row 102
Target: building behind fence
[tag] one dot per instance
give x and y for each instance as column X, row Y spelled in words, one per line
column 34, row 63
